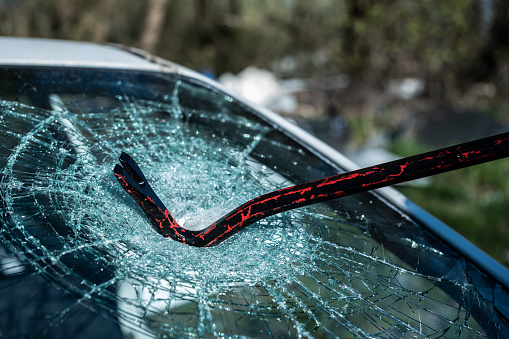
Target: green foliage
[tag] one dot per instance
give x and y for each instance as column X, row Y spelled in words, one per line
column 427, row 38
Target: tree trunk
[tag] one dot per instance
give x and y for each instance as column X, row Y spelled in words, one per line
column 355, row 48
column 153, row 25
column 486, row 65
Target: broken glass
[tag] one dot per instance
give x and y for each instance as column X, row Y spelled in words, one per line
column 79, row 258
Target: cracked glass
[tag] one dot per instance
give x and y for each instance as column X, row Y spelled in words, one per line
column 78, row 257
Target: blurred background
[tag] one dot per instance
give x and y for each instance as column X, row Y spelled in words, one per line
column 375, row 79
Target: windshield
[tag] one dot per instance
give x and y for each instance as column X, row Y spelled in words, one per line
column 351, row 267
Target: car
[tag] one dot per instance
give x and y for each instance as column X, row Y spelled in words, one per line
column 79, row 257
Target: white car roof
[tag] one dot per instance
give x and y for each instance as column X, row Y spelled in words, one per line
column 47, row 52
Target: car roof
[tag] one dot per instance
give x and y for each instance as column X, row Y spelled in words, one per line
column 48, row 52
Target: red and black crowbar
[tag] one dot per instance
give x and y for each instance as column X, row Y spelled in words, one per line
column 451, row 158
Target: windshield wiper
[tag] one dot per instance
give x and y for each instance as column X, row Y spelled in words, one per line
column 134, row 182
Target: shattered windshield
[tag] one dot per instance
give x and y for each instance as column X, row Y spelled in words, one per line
column 79, row 257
